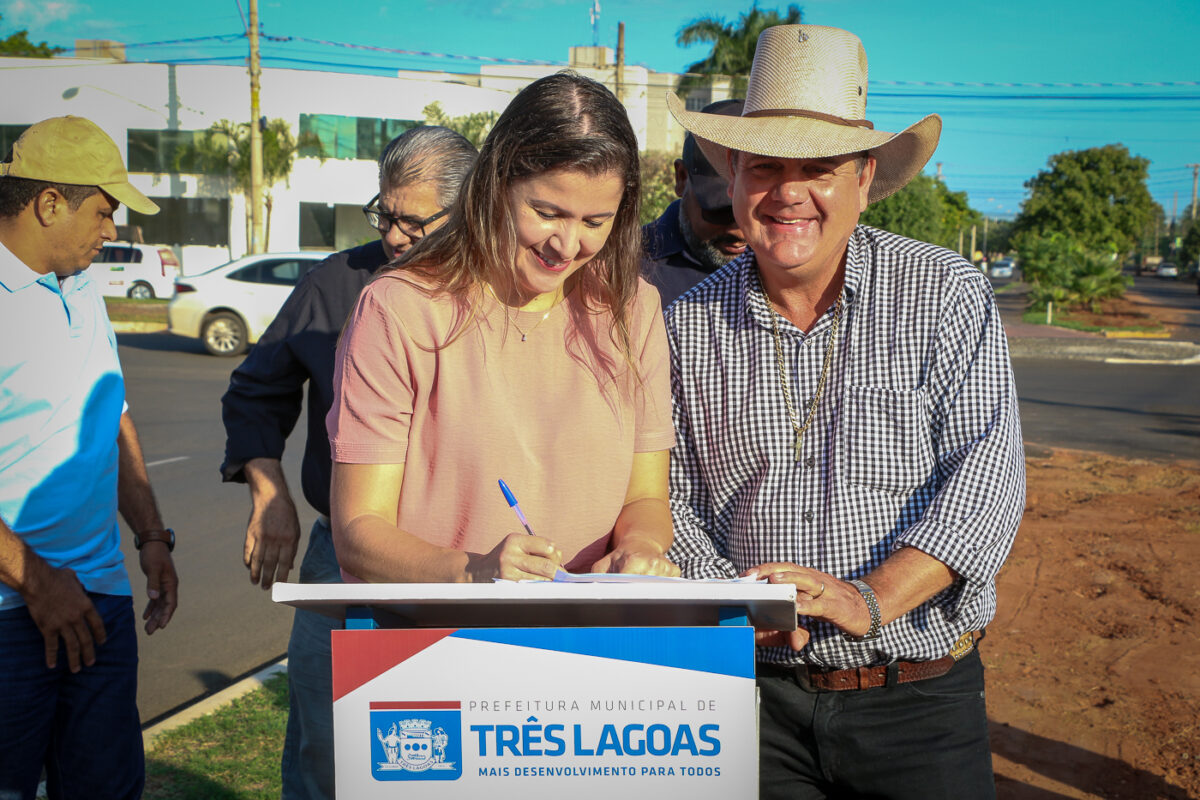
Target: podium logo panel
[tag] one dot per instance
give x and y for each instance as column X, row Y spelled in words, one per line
column 416, row 741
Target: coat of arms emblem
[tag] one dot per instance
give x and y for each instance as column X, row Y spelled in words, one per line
column 409, row 747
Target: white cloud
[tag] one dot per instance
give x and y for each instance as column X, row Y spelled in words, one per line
column 26, row 14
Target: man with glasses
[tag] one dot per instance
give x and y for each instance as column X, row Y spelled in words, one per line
column 420, row 173
column 697, row 234
column 400, row 231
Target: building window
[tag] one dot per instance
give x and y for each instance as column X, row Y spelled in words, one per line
column 329, row 226
column 698, row 99
column 164, row 151
column 351, row 137
column 8, row 136
column 186, row 220
column 317, row 225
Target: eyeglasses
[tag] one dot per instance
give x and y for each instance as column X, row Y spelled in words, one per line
column 411, row 227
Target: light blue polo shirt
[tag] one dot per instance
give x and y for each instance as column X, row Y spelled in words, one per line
column 61, row 399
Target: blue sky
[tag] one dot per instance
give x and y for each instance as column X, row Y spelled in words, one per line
column 995, row 138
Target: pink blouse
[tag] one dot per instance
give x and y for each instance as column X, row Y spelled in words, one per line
column 560, row 429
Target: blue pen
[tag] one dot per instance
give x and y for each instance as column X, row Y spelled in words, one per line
column 512, row 503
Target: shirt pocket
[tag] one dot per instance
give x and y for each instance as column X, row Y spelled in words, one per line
column 886, row 439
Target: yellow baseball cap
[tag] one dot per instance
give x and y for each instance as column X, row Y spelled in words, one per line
column 76, row 151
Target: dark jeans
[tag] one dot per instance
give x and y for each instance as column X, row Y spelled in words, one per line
column 83, row 727
column 307, row 763
column 914, row 741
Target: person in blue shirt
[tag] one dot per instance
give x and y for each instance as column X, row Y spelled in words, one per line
column 69, row 461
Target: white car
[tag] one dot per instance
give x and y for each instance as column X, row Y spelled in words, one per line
column 1167, row 270
column 230, row 306
column 140, row 271
column 1002, row 268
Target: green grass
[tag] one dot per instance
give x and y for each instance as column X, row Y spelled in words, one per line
column 121, row 309
column 1038, row 317
column 231, row 754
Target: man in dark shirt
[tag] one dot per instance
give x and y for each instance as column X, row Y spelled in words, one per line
column 697, row 234
column 420, row 173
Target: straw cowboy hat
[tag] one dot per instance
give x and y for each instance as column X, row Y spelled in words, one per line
column 807, row 98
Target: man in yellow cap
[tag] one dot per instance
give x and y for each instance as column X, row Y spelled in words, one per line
column 847, row 423
column 69, row 460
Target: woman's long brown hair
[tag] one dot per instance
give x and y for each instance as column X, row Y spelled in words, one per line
column 561, row 122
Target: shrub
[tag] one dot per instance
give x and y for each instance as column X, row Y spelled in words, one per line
column 1062, row 271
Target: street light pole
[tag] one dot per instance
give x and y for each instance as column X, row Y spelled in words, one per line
column 256, row 152
column 1195, row 175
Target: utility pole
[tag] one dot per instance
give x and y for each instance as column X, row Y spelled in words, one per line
column 1195, row 175
column 985, row 227
column 972, row 258
column 256, row 151
column 620, row 62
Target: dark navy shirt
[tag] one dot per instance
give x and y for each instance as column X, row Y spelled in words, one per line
column 666, row 261
column 266, row 391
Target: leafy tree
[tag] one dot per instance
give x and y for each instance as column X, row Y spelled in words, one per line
column 732, row 45
column 658, row 184
column 915, row 211
column 999, row 237
column 1190, row 252
column 224, row 149
column 17, row 44
column 473, row 127
column 1062, row 270
column 1096, row 196
column 958, row 216
column 926, row 210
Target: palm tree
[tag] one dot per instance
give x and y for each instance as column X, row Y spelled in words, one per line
column 732, row 46
column 224, row 149
column 472, row 127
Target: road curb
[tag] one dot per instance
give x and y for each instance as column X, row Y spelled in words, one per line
column 1114, row 334
column 1115, row 351
column 212, row 703
column 139, row 327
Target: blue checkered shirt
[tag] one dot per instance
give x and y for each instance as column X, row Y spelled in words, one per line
column 916, row 440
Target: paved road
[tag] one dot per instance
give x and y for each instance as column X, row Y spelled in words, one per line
column 1130, row 410
column 226, row 628
column 1178, row 295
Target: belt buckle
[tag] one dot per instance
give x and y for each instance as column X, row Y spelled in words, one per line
column 964, row 645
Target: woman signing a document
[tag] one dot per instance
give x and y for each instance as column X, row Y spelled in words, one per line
column 515, row 342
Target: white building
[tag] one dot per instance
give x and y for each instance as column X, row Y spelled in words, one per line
column 151, row 109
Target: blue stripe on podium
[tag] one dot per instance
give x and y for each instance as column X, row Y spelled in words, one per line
column 719, row 650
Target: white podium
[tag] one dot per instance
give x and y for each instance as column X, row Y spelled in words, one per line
column 545, row 690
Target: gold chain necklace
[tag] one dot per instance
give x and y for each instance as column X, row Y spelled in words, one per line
column 783, row 381
column 512, row 321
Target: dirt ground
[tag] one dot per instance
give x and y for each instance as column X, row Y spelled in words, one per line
column 1119, row 312
column 1094, row 656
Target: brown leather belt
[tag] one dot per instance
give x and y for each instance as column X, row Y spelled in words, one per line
column 841, row 680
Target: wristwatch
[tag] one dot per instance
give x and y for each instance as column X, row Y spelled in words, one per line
column 165, row 535
column 873, row 606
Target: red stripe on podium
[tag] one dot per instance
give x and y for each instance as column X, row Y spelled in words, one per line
column 399, row 705
column 361, row 656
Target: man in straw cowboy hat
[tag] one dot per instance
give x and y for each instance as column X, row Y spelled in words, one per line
column 847, row 423
column 69, row 461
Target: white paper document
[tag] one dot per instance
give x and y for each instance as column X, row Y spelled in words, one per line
column 562, row 576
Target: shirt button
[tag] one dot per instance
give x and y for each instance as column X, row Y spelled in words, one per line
column 810, row 462
column 808, row 516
